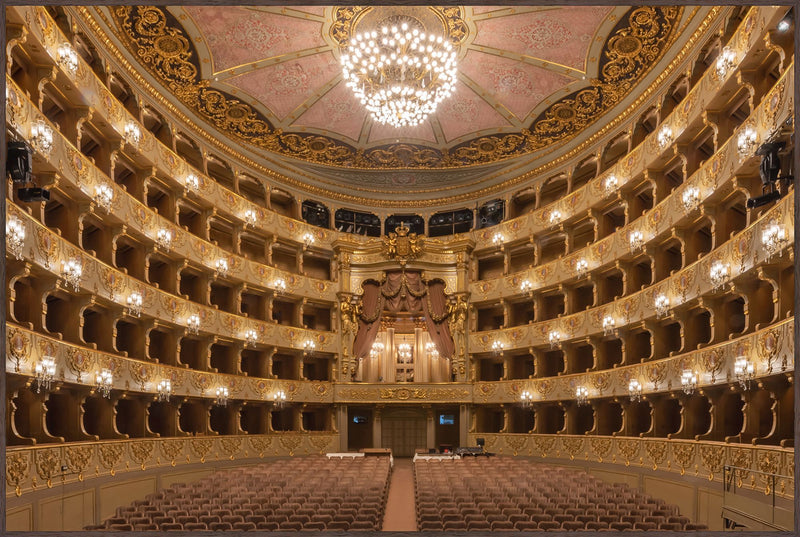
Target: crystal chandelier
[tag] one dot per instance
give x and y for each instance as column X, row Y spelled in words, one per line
column 250, row 218
column 164, row 238
column 404, row 352
column 662, row 305
column 45, row 373
column 719, row 273
column 279, row 285
column 664, row 137
column 773, row 238
column 164, row 390
column 400, row 73
column 497, row 347
column 555, row 339
column 71, row 272
column 688, row 381
column 636, row 240
column 526, row 398
column 582, row 395
column 42, row 137
column 103, row 381
column 308, row 346
column 635, row 390
column 103, row 196
column 133, row 135
column 193, row 324
column 526, row 287
column 610, row 184
column 498, row 239
column 15, row 236
column 221, row 398
column 135, row 304
column 377, row 350
column 68, row 58
column 691, row 198
column 191, row 183
column 308, row 240
column 221, row 267
column 744, row 371
column 725, row 61
column 251, row 337
column 609, row 325
column 279, row 398
column 581, row 267
column 747, row 141
column 555, row 217
column 431, row 350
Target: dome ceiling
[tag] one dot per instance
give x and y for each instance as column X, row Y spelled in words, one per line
column 529, row 77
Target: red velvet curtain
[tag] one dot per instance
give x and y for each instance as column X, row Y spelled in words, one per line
column 403, row 291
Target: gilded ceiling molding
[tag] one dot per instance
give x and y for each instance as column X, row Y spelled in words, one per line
column 639, row 40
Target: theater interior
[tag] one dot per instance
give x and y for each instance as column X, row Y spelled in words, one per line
column 400, row 267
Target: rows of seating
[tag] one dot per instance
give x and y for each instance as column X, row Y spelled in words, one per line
column 511, row 494
column 310, row 493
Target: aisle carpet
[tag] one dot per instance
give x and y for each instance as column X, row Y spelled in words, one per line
column 400, row 514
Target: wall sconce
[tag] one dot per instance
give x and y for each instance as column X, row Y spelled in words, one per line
column 497, row 347
column 71, row 272
column 279, row 285
column 68, row 58
column 688, row 381
column 193, row 324
column 664, row 137
column 555, row 217
column 135, row 304
column 719, row 273
column 431, row 350
column 221, row 398
column 691, row 198
column 45, row 373
column 164, row 239
column 308, row 240
column 635, row 390
column 221, row 268
column 308, row 347
column 747, row 142
column 582, row 395
column 662, row 305
column 636, row 240
column 191, row 183
column 555, row 339
column 376, row 350
column 250, row 218
column 41, row 137
column 526, row 287
column 133, row 135
column 744, row 371
column 526, row 398
column 103, row 196
column 498, row 239
column 773, row 238
column 15, row 236
column 726, row 61
column 164, row 390
column 279, row 398
column 610, row 184
column 251, row 337
column 103, row 381
column 581, row 267
column 609, row 326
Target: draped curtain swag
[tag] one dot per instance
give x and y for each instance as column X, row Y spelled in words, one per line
column 403, row 291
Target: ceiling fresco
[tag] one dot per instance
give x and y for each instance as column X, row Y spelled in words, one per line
column 269, row 77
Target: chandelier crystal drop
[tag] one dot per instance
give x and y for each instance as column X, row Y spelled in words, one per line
column 15, row 237
column 399, row 73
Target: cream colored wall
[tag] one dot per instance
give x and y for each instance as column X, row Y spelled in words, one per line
column 92, row 501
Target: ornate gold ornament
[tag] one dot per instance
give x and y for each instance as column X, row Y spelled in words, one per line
column 402, row 245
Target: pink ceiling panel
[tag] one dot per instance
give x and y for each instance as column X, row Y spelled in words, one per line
column 314, row 10
column 466, row 112
column 285, row 86
column 237, row 35
column 337, row 112
column 388, row 134
column 561, row 36
column 518, row 86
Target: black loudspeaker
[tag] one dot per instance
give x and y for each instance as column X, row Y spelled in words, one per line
column 33, row 194
column 480, row 442
column 19, row 162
